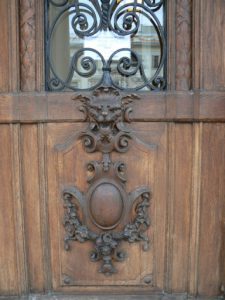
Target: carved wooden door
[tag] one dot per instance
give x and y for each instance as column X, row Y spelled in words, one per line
column 113, row 191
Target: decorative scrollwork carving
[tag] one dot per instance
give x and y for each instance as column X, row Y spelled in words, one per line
column 106, row 111
column 106, row 244
column 106, row 203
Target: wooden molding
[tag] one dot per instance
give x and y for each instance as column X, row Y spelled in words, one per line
column 27, row 45
column 183, row 44
column 164, row 106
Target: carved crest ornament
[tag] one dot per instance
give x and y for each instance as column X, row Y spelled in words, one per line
column 117, row 215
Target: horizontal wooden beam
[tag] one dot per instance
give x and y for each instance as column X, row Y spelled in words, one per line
column 163, row 106
column 112, row 297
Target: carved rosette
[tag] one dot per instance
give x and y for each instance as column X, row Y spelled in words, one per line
column 106, row 203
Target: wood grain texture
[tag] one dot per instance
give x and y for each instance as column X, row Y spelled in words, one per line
column 181, row 157
column 63, row 169
column 180, row 170
column 8, row 254
column 14, row 45
column 20, row 242
column 212, row 209
column 196, row 44
column 183, row 44
column 40, row 42
column 133, row 296
column 195, row 209
column 32, row 207
column 4, row 47
column 212, row 37
column 171, row 44
column 27, row 45
column 168, row 106
column 43, row 188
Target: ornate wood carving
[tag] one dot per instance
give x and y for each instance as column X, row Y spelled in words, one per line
column 117, row 215
column 183, row 44
column 27, row 45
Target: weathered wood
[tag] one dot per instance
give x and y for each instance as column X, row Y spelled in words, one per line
column 8, row 253
column 14, row 69
column 212, row 208
column 195, row 209
column 168, row 106
column 32, row 206
column 212, row 39
column 181, row 207
column 163, row 296
column 183, row 44
column 27, row 45
column 180, row 155
column 20, row 242
column 68, row 264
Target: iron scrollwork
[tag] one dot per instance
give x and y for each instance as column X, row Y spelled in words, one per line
column 117, row 215
column 122, row 19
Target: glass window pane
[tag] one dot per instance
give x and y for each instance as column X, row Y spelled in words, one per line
column 118, row 42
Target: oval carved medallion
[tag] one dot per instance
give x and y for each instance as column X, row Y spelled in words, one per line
column 106, row 205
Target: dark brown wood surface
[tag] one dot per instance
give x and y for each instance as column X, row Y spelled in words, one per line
column 180, row 154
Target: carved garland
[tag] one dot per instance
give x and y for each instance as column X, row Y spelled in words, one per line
column 106, row 112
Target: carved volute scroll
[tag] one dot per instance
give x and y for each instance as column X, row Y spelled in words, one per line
column 106, row 202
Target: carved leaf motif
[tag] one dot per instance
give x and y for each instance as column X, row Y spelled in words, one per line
column 106, row 243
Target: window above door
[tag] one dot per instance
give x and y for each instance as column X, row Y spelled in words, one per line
column 120, row 43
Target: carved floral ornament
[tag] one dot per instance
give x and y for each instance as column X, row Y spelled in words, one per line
column 106, row 203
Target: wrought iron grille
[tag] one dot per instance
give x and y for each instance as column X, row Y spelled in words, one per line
column 106, row 39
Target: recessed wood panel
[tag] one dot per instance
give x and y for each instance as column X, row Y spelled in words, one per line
column 66, row 168
column 9, row 46
column 32, row 195
column 4, row 47
column 211, row 233
column 8, row 256
column 212, row 46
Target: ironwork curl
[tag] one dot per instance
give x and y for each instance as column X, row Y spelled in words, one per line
column 93, row 17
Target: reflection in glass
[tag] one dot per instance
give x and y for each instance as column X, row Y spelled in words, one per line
column 118, row 42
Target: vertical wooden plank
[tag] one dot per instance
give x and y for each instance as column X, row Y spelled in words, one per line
column 43, row 187
column 196, row 44
column 32, row 45
column 18, row 210
column 212, row 206
column 13, row 33
column 40, row 40
column 32, row 203
column 195, row 209
column 170, row 203
column 4, row 47
column 212, row 44
column 8, row 259
column 183, row 44
column 171, row 44
column 27, row 45
column 160, row 198
column 179, row 207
